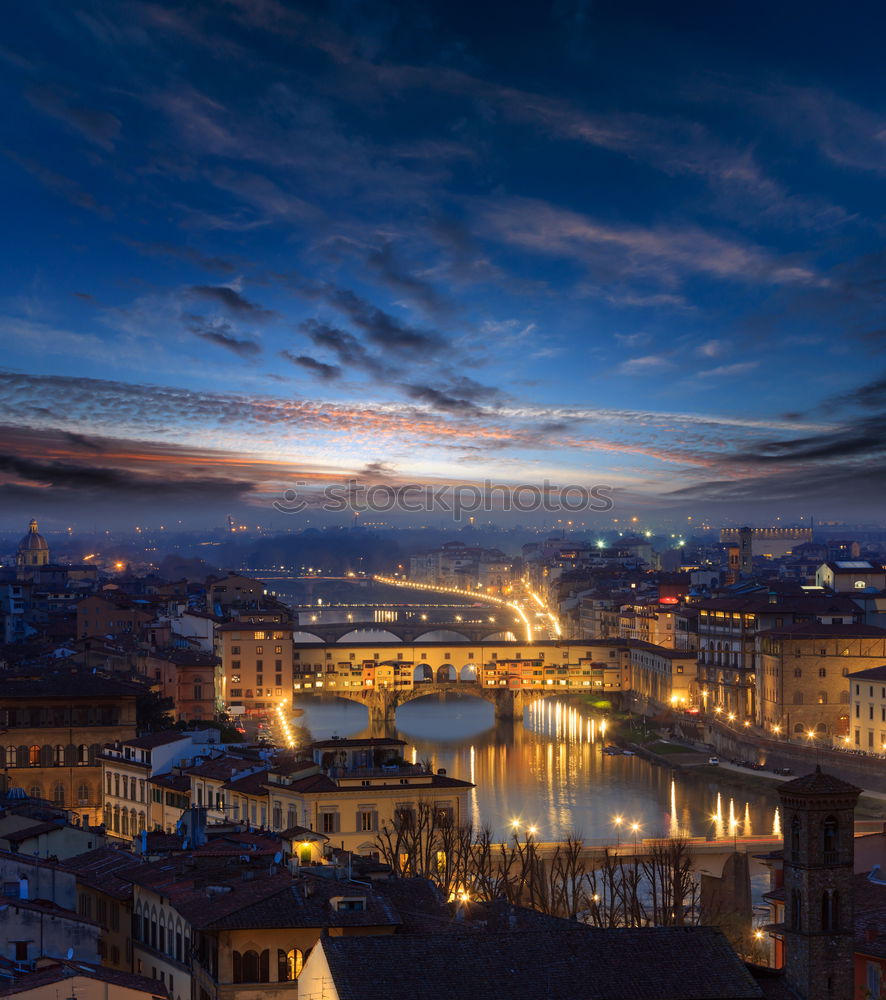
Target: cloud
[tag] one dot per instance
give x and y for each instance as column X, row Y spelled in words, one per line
column 739, row 368
column 712, row 348
column 100, row 127
column 320, row 368
column 222, row 334
column 645, row 365
column 208, row 262
column 401, row 281
column 349, row 351
column 608, row 251
column 232, row 300
column 61, row 185
column 381, row 328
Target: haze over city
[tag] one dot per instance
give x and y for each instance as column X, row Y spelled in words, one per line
column 254, row 244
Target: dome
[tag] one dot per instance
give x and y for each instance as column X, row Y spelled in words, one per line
column 33, row 540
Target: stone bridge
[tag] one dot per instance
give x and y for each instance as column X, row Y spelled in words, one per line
column 407, row 632
column 383, row 702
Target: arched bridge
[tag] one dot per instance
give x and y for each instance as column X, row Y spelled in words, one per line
column 406, row 631
column 383, row 702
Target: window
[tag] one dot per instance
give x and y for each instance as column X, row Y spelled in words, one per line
column 289, row 965
column 796, row 917
column 329, row 822
column 367, row 821
column 830, row 829
column 34, row 756
column 795, row 838
column 822, row 672
column 830, row 916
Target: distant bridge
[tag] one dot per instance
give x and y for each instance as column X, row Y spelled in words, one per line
column 408, row 631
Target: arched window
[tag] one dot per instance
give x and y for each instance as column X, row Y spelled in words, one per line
column 58, row 794
column 59, row 756
column 795, row 837
column 108, row 814
column 250, row 967
column 116, row 784
column 289, row 965
column 822, row 697
column 237, row 961
column 830, row 914
column 35, row 792
column 124, row 823
column 115, row 824
column 796, row 910
column 82, row 795
column 83, row 754
column 141, row 822
column 153, row 928
column 11, row 757
column 34, row 756
column 108, row 776
column 125, row 787
column 133, row 822
column 829, row 833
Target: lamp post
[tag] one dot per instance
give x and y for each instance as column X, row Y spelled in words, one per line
column 617, row 822
column 635, row 829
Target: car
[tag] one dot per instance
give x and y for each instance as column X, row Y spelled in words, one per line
column 714, row 760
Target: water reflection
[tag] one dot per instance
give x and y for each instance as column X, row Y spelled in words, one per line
column 550, row 772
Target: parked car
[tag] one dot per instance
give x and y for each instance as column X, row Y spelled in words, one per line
column 714, row 760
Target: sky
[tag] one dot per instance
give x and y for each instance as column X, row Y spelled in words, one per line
column 253, row 246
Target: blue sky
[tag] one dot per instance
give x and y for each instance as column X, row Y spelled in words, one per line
column 253, row 242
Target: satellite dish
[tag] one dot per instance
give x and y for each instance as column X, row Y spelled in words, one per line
column 69, row 954
column 278, row 857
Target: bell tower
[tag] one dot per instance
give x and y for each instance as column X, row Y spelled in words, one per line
column 818, row 812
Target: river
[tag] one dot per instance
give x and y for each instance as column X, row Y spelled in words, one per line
column 549, row 771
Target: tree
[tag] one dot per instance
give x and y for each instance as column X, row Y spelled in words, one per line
column 607, row 891
column 153, row 712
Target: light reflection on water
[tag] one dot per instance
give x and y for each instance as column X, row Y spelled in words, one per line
column 550, row 771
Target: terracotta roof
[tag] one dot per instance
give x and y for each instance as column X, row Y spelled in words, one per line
column 249, row 784
column 105, row 869
column 65, row 969
column 151, row 740
column 817, row 783
column 871, row 674
column 814, row 630
column 678, row 963
column 222, row 768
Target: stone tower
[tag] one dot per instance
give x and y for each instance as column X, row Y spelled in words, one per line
column 818, row 825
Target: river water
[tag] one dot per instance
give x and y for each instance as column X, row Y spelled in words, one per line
column 549, row 771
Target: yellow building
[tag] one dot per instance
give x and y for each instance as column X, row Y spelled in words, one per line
column 256, row 664
column 54, row 725
column 802, row 676
column 867, row 710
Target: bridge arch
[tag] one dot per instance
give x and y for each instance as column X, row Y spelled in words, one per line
column 446, row 673
column 468, row 673
column 442, row 635
column 369, row 635
column 499, row 637
column 305, row 636
column 422, row 673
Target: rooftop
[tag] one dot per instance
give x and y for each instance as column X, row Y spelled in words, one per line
column 680, row 963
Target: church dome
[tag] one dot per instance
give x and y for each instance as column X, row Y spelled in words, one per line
column 33, row 540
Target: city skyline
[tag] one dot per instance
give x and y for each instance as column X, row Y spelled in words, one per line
column 259, row 244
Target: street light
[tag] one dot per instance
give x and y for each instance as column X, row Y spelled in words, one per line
column 635, row 830
column 617, row 821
